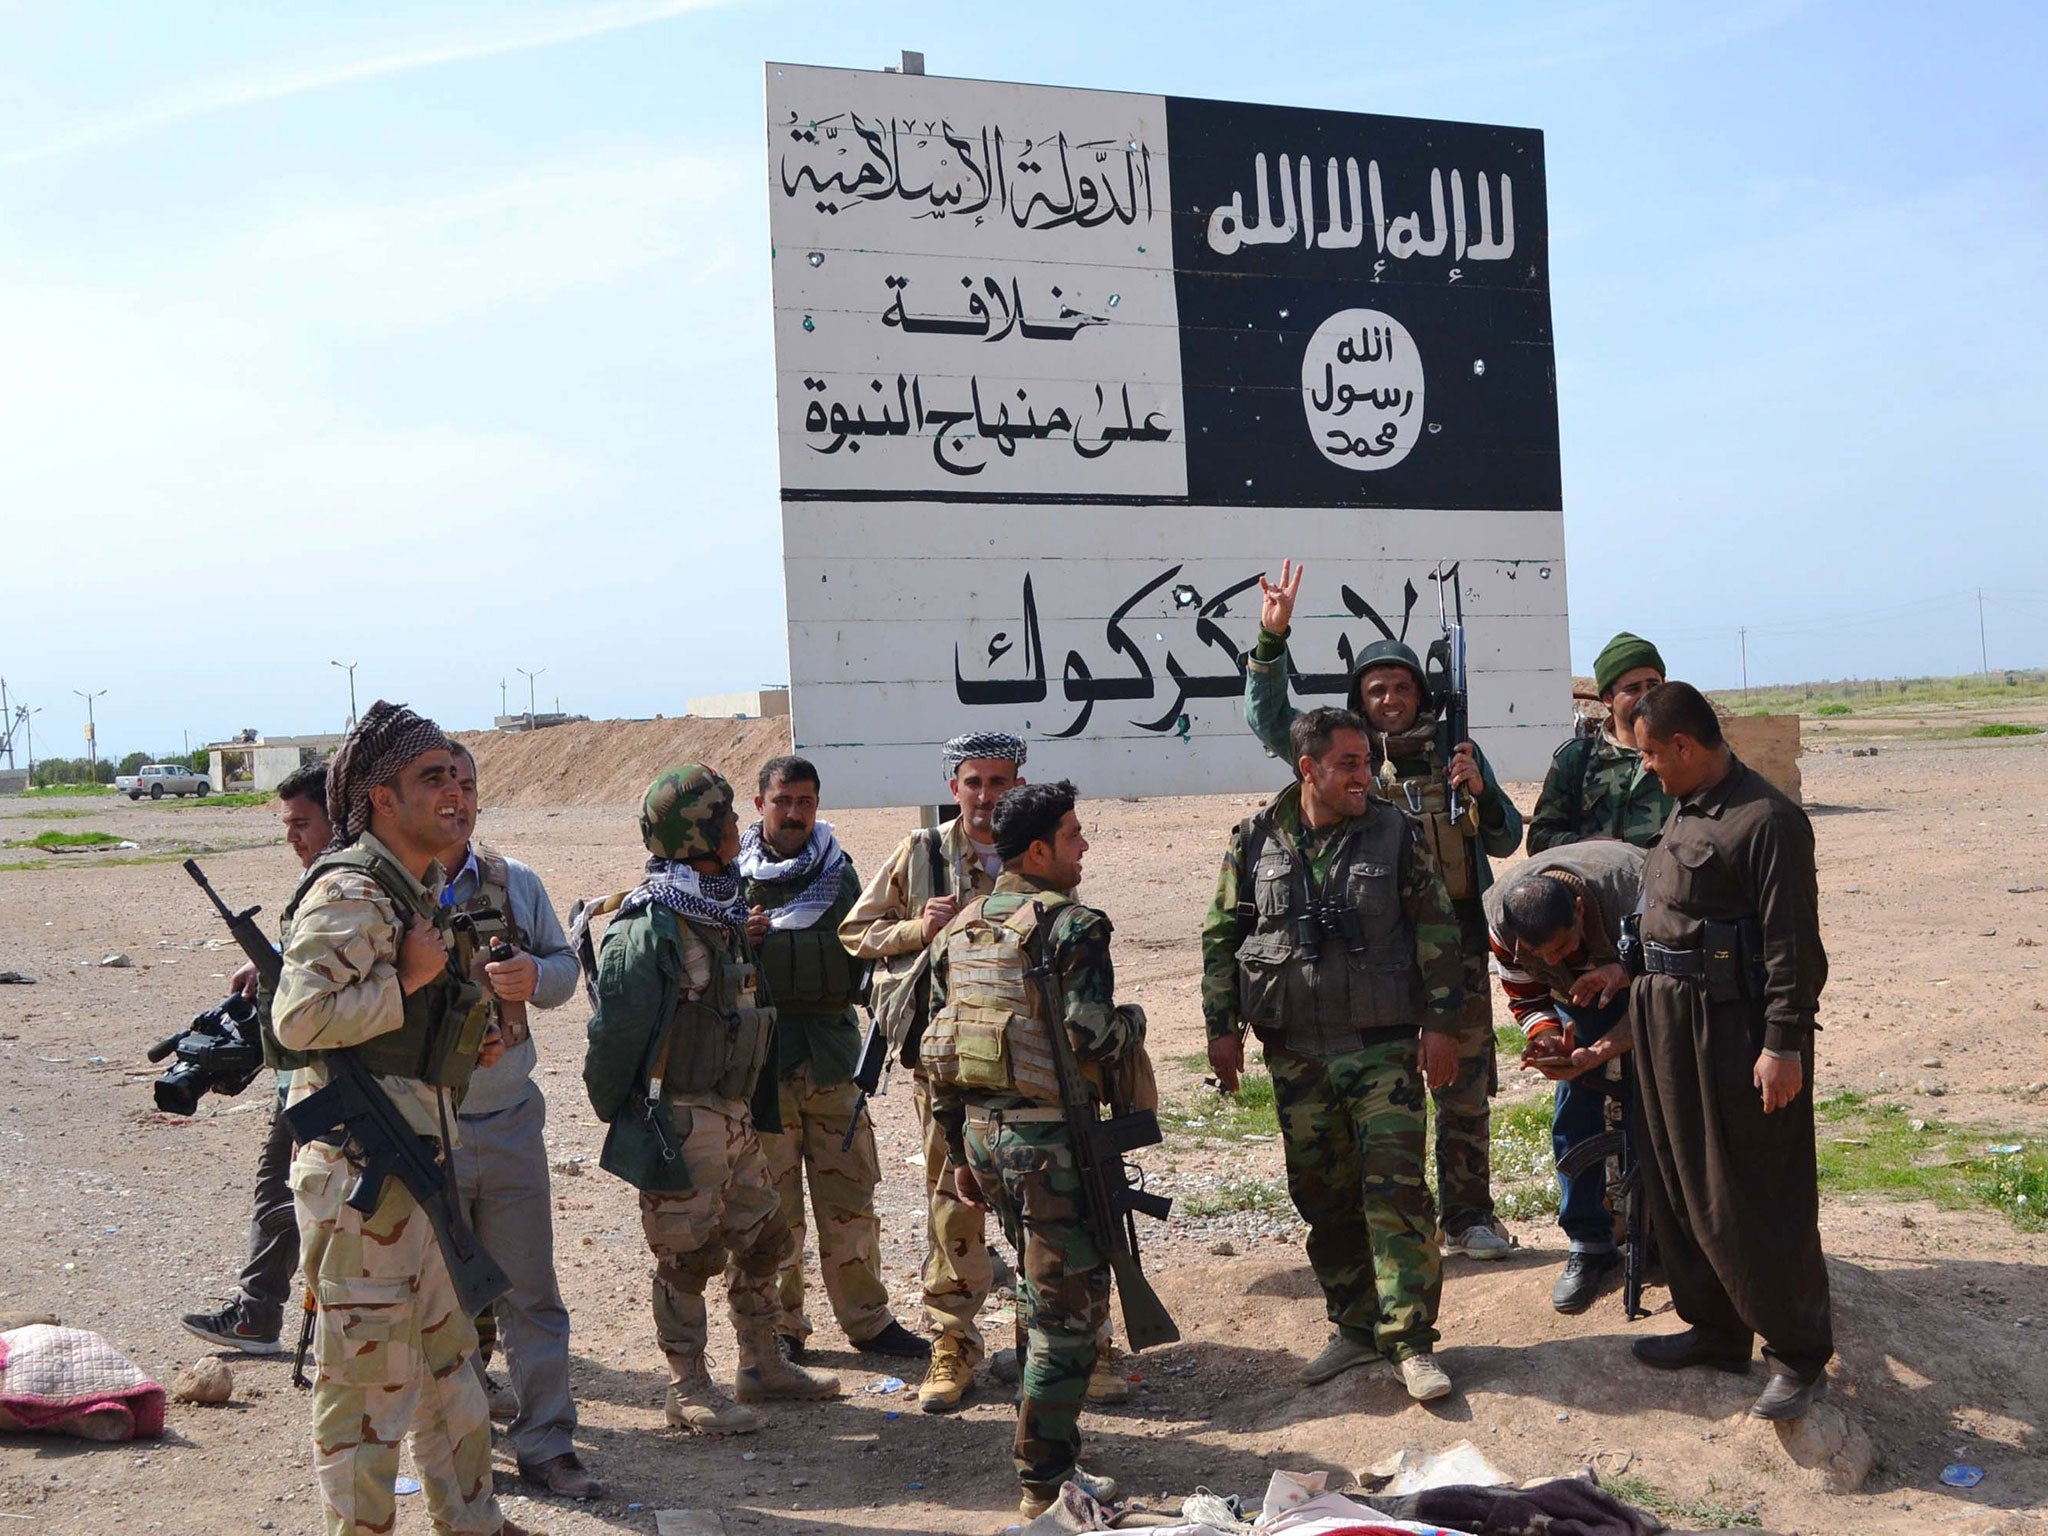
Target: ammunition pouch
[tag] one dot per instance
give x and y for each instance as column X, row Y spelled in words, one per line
column 720, row 1041
column 1628, row 949
column 1427, row 802
column 808, row 970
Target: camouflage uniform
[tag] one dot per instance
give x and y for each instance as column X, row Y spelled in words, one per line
column 1596, row 787
column 1351, row 1120
column 1025, row 1168
column 1464, row 1129
column 887, row 921
column 391, row 1344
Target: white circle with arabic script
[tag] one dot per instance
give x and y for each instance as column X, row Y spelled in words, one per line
column 1361, row 387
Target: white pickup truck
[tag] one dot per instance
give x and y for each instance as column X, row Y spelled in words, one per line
column 159, row 779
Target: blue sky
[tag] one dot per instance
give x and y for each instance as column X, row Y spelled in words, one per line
column 436, row 337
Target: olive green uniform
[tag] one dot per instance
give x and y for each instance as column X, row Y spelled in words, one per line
column 1412, row 779
column 1338, row 1017
column 1596, row 787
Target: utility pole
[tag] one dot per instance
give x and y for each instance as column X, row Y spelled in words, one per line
column 1742, row 635
column 504, row 709
column 350, row 668
column 529, row 676
column 1983, row 651
column 28, row 726
column 92, row 745
column 7, row 714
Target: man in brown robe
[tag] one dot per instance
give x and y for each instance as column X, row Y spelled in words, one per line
column 1724, row 1017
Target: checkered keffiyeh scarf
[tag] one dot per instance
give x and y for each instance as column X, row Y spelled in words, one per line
column 820, row 860
column 386, row 738
column 996, row 744
column 694, row 897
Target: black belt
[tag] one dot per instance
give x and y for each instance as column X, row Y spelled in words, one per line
column 1662, row 960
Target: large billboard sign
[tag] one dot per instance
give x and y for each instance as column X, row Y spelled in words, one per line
column 1060, row 372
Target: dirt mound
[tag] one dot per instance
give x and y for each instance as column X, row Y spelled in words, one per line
column 609, row 762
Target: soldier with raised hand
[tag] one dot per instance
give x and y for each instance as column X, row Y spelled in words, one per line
column 1599, row 785
column 1415, row 765
column 800, row 885
column 367, row 965
column 681, row 1063
column 1332, row 938
column 996, row 1099
column 1724, row 1015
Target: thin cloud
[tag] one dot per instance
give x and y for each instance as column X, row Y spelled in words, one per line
column 228, row 95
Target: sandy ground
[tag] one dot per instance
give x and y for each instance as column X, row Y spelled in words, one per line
column 119, row 1219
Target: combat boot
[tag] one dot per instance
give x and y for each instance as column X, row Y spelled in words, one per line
column 947, row 1379
column 765, row 1374
column 696, row 1404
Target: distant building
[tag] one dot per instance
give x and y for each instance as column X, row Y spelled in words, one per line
column 756, row 704
column 256, row 764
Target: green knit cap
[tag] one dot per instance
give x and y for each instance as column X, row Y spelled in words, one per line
column 683, row 816
column 1624, row 653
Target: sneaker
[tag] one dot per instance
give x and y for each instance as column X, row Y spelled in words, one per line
column 230, row 1328
column 1338, row 1356
column 1583, row 1276
column 896, row 1342
column 947, row 1380
column 1101, row 1489
column 1425, row 1378
column 1481, row 1240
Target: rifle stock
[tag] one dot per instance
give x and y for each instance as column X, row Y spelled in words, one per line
column 1628, row 1188
column 1107, row 1195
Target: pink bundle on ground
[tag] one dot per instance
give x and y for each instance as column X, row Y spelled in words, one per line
column 70, row 1382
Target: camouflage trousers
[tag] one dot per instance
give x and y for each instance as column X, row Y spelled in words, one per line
column 730, row 1213
column 957, row 1269
column 1026, row 1173
column 842, row 1184
column 1351, row 1131
column 1464, row 1120
column 392, row 1351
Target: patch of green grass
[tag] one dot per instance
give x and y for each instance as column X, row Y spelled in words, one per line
column 1240, row 1194
column 55, row 839
column 1834, row 709
column 1700, row 1514
column 1524, row 1167
column 218, row 802
column 1870, row 1148
column 53, row 791
column 66, row 815
column 1510, row 1040
column 1225, row 1117
column 2005, row 728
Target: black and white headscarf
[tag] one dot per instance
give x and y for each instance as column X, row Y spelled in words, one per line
column 692, row 896
column 996, row 744
column 819, row 862
column 384, row 740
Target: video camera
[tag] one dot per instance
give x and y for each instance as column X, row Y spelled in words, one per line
column 220, row 1051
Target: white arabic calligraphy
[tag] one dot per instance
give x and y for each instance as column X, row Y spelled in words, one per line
column 1401, row 236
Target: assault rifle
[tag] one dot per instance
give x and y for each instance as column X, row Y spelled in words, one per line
column 383, row 1146
column 1446, row 666
column 867, row 1076
column 1626, row 1188
column 1108, row 1197
column 242, row 926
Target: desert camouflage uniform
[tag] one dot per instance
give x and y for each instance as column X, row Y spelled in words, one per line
column 818, row 1053
column 889, row 920
column 1464, row 1122
column 391, row 1344
column 1352, row 1123
column 1598, row 788
column 1027, row 1176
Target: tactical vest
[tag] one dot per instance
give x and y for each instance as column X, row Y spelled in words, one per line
column 1426, row 797
column 719, row 1039
column 444, row 1021
column 1321, row 971
column 992, row 1035
column 494, row 894
column 807, row 969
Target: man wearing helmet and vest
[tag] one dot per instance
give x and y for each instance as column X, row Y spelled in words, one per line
column 995, row 1096
column 368, row 966
column 681, row 1063
column 1415, row 765
column 1332, row 939
column 1598, row 785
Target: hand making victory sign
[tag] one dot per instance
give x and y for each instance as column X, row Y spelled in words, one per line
column 1276, row 599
